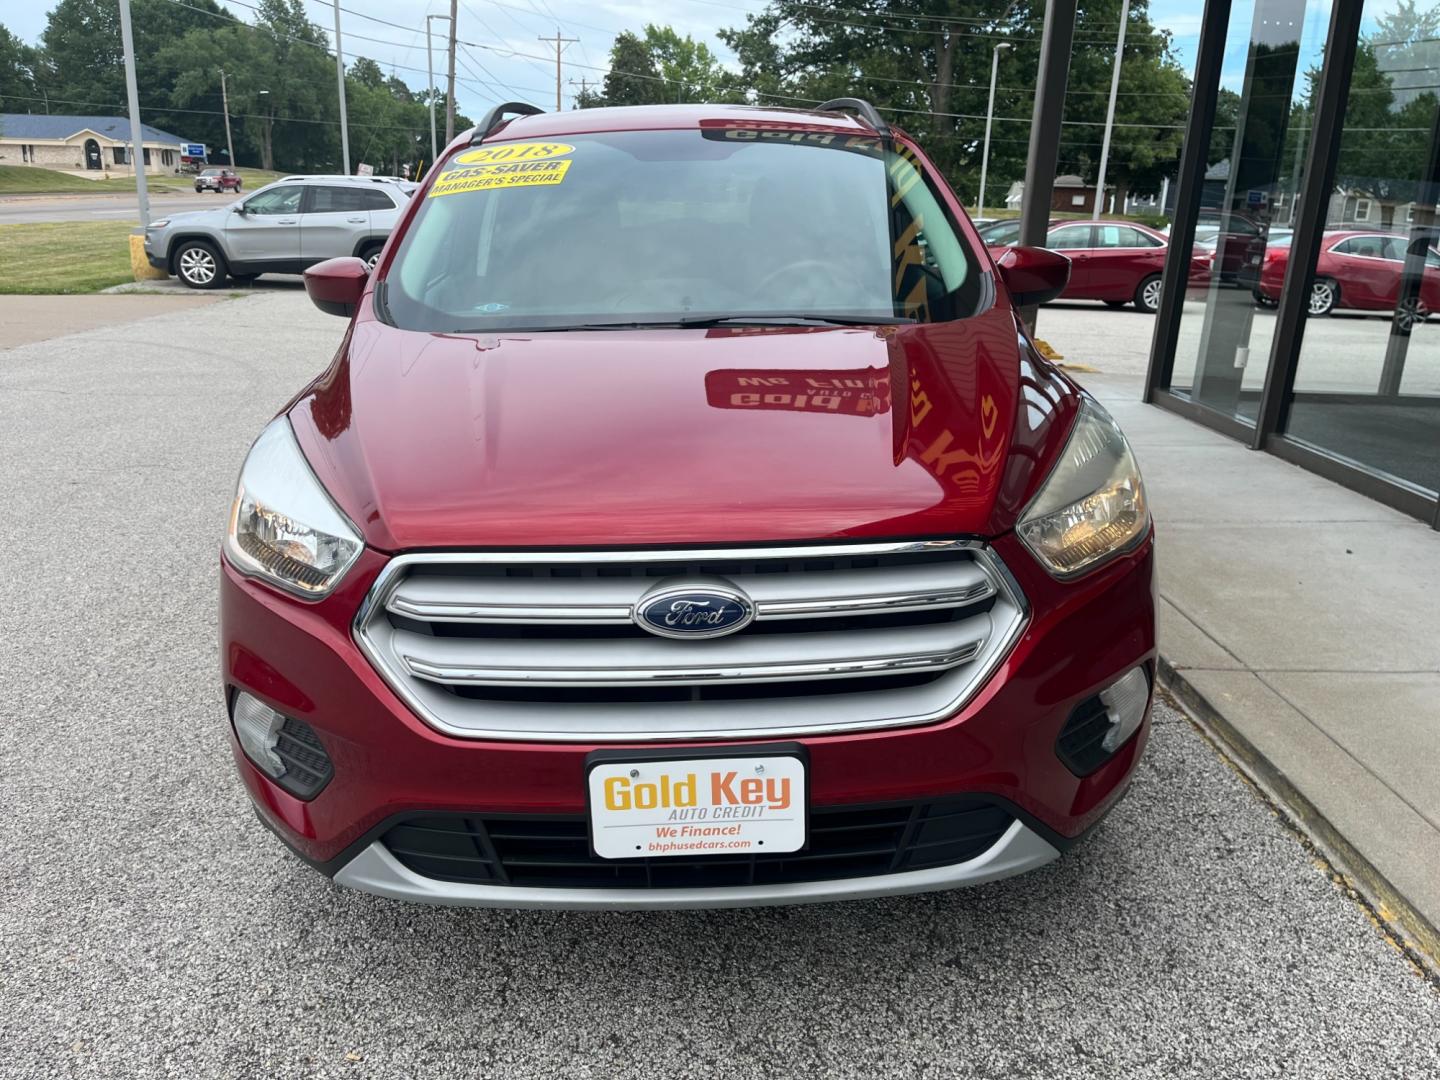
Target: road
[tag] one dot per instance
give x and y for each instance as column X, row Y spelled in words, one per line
column 17, row 209
column 151, row 928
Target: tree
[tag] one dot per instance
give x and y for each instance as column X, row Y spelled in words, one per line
column 688, row 69
column 634, row 77
column 17, row 74
column 661, row 66
column 922, row 61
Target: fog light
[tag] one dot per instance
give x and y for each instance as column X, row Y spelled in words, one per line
column 285, row 749
column 1125, row 702
column 1101, row 725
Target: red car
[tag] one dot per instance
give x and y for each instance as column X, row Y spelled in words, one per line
column 221, row 180
column 686, row 520
column 1119, row 262
column 1359, row 270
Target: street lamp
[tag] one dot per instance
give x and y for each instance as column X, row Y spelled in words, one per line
column 1110, row 112
column 340, row 83
column 989, row 117
column 430, row 89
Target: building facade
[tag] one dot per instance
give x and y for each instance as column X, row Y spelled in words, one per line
column 1320, row 341
column 94, row 145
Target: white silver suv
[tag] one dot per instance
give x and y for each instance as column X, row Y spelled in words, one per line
column 280, row 229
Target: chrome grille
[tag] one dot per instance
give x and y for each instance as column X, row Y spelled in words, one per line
column 543, row 645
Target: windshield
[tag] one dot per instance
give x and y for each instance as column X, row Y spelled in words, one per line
column 677, row 227
column 211, row 172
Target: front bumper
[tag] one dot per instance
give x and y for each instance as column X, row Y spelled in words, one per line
column 302, row 660
column 377, row 871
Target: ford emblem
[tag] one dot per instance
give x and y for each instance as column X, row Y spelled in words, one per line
column 694, row 611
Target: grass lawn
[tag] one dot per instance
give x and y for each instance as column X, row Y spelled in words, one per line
column 27, row 180
column 64, row 256
column 254, row 178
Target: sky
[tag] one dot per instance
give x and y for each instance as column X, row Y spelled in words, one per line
column 505, row 59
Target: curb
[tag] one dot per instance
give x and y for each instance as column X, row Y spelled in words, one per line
column 1409, row 930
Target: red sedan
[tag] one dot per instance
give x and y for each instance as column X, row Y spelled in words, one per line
column 1359, row 270
column 1119, row 262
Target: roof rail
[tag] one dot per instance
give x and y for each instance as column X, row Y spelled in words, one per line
column 496, row 116
column 868, row 112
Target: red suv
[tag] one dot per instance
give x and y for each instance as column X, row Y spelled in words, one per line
column 686, row 520
column 220, row 180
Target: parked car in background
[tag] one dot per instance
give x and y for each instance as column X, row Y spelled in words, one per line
column 680, row 524
column 1239, row 241
column 280, row 229
column 218, row 180
column 1000, row 233
column 1119, row 262
column 1360, row 271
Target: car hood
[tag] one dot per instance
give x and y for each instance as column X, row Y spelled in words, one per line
column 682, row 436
column 214, row 216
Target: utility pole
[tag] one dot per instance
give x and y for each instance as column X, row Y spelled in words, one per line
column 430, row 86
column 225, row 104
column 137, row 138
column 559, row 43
column 1110, row 114
column 340, row 80
column 989, row 117
column 584, row 84
column 450, row 90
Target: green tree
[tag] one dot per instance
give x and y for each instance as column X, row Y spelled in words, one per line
column 281, row 84
column 661, row 65
column 634, row 77
column 688, row 69
column 17, row 74
column 926, row 60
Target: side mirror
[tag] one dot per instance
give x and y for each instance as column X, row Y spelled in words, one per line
column 238, row 208
column 336, row 285
column 1033, row 275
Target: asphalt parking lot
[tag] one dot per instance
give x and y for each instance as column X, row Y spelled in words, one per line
column 149, row 927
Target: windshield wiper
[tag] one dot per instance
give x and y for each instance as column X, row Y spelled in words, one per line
column 791, row 319
column 693, row 322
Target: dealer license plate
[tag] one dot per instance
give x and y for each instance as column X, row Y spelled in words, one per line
column 697, row 806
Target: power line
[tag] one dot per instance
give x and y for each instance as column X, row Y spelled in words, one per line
column 203, row 112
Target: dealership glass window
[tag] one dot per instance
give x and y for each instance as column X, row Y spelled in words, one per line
column 1367, row 382
column 118, row 153
column 1273, row 48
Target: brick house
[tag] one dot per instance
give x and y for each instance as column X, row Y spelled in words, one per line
column 92, row 145
column 1071, row 194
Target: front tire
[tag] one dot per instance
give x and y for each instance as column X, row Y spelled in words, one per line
column 1147, row 294
column 1324, row 295
column 1410, row 313
column 199, row 266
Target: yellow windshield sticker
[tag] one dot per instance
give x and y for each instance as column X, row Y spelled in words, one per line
column 503, row 152
column 510, row 174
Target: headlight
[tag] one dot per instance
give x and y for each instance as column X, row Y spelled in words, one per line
column 1093, row 504
column 283, row 526
column 158, row 224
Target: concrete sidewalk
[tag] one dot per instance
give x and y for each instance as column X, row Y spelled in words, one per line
column 24, row 319
column 1299, row 621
